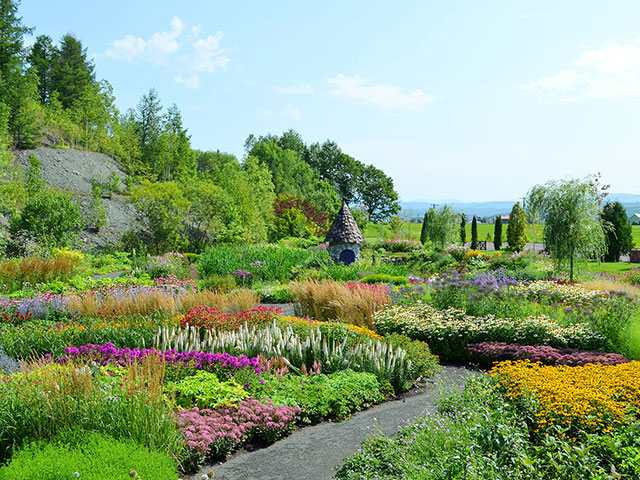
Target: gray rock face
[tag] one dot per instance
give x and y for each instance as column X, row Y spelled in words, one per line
column 74, row 170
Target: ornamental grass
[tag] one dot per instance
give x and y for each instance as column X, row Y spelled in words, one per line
column 15, row 273
column 352, row 303
column 582, row 399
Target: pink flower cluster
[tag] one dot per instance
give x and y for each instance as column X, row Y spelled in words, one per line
column 213, row 433
column 499, row 351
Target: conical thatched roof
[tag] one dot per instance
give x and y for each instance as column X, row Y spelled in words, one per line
column 344, row 228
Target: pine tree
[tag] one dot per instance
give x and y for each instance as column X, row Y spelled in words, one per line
column 71, row 72
column 463, row 229
column 517, row 229
column 474, row 233
column 11, row 33
column 497, row 234
column 40, row 58
column 617, row 230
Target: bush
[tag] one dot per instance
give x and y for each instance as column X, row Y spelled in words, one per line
column 49, row 218
column 92, row 455
column 321, row 397
column 204, row 390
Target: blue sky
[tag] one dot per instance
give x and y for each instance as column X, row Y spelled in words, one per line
column 471, row 101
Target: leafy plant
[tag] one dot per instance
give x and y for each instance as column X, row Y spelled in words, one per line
column 205, row 391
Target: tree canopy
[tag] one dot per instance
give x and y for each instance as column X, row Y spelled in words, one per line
column 570, row 212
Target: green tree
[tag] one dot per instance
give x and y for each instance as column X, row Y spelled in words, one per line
column 442, row 229
column 424, row 231
column 337, row 168
column 182, row 160
column 12, row 32
column 27, row 120
column 161, row 210
column 49, row 217
column 377, row 194
column 570, row 211
column 148, row 117
column 72, row 71
column 289, row 173
column 463, row 229
column 41, row 57
column 474, row 233
column 211, row 163
column 497, row 233
column 617, row 230
column 517, row 229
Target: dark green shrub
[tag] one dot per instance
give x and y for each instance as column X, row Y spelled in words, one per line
column 92, row 456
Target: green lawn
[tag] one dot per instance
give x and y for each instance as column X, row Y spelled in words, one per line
column 635, row 229
column 609, row 267
column 485, row 232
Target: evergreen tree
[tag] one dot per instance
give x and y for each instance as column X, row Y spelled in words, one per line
column 41, row 57
column 148, row 119
column 11, row 32
column 72, row 71
column 517, row 229
column 182, row 158
column 463, row 229
column 497, row 234
column 474, row 233
column 617, row 230
column 425, row 228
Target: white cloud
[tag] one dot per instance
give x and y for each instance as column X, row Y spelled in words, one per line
column 208, row 56
column 288, row 112
column 190, row 82
column 382, row 96
column 611, row 72
column 179, row 49
column 301, row 88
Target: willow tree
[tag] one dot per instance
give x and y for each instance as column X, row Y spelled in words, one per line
column 570, row 212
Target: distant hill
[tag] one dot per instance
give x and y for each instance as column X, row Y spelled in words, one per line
column 630, row 201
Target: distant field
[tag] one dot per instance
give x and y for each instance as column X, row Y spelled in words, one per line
column 636, row 235
column 412, row 230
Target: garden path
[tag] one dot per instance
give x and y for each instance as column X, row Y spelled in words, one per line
column 315, row 452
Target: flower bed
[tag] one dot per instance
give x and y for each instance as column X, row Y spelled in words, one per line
column 589, row 398
column 217, row 432
column 489, row 352
column 448, row 332
column 211, row 317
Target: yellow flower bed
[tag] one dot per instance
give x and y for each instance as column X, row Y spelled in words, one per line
column 564, row 293
column 593, row 398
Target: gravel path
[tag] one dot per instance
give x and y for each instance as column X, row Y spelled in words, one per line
column 315, row 452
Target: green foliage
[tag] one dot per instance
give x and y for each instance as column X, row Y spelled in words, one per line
column 475, row 435
column 617, row 230
column 282, row 263
column 463, row 228
column 441, row 226
column 205, row 390
column 50, row 218
column 474, row 233
column 72, row 71
column 95, row 215
column 385, row 278
column 377, row 194
column 161, row 210
column 516, row 229
column 424, row 229
column 32, row 409
column 570, row 211
column 497, row 234
column 92, row 455
column 321, row 397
